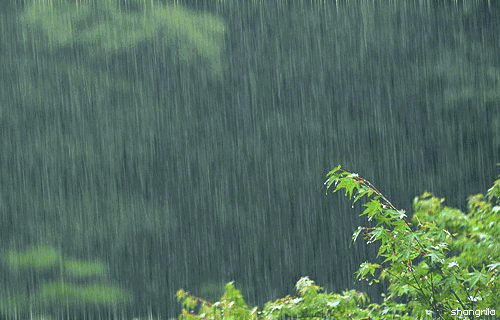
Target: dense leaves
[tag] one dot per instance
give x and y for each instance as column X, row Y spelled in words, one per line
column 418, row 265
column 426, row 262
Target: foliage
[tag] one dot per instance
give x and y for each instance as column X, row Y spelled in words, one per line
column 433, row 261
column 441, row 262
column 105, row 28
column 95, row 294
column 39, row 257
column 52, row 291
column 310, row 304
column 81, row 268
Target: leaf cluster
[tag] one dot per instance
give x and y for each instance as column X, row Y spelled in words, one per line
column 310, row 304
column 441, row 262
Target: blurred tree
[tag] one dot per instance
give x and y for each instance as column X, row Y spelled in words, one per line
column 45, row 282
column 104, row 27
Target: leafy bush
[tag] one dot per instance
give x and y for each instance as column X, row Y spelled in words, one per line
column 309, row 304
column 444, row 264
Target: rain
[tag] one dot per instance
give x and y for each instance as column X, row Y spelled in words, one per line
column 149, row 146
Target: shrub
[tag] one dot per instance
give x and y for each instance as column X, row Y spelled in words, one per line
column 444, row 263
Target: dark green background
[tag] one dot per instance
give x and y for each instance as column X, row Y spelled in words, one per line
column 187, row 148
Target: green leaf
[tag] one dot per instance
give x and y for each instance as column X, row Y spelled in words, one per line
column 397, row 214
column 363, row 191
column 478, row 277
column 366, row 268
column 356, row 233
column 377, row 234
column 435, row 256
column 373, row 208
column 349, row 186
column 493, row 266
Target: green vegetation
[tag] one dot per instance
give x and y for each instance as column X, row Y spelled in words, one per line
column 80, row 268
column 105, row 28
column 441, row 263
column 41, row 257
column 96, row 294
column 56, row 288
